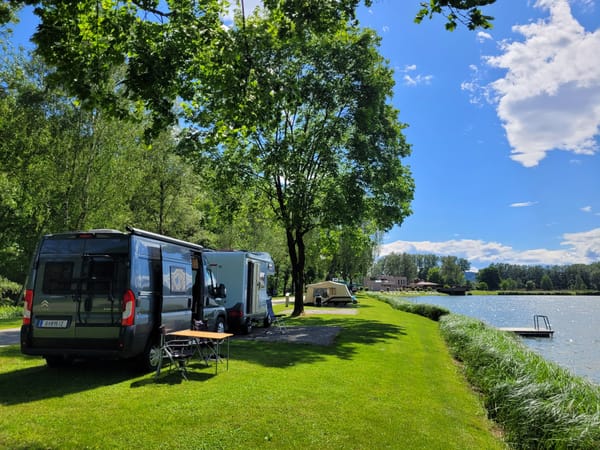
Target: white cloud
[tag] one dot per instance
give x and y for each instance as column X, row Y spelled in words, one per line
column 522, row 204
column 414, row 80
column 578, row 248
column 482, row 36
column 549, row 98
column 587, row 209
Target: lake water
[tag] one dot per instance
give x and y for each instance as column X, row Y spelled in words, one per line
column 574, row 319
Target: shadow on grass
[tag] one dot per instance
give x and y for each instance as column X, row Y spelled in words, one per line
column 278, row 353
column 41, row 382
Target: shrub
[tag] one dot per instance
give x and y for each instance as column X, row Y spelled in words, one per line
column 432, row 312
column 10, row 312
column 9, row 292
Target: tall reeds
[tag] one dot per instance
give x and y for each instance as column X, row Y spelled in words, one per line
column 539, row 404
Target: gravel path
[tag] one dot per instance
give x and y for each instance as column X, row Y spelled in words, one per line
column 314, row 335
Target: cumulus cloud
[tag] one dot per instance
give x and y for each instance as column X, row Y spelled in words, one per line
column 587, row 209
column 414, row 79
column 577, row 248
column 550, row 95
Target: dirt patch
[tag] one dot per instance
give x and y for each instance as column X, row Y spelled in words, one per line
column 314, row 335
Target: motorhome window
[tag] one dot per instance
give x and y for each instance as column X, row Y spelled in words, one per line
column 146, row 249
column 58, row 277
column 261, row 280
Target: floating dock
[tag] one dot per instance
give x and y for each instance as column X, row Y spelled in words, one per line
column 530, row 332
column 537, row 331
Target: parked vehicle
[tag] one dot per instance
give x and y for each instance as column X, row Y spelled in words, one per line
column 245, row 274
column 105, row 293
column 328, row 293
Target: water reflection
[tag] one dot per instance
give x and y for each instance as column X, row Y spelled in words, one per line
column 576, row 341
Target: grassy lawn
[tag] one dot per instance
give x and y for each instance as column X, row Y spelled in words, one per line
column 388, row 382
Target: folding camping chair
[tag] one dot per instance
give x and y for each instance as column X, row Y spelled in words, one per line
column 176, row 351
column 275, row 319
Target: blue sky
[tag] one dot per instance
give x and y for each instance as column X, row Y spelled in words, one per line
column 504, row 127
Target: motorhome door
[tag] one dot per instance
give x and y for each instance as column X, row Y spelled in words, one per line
column 176, row 311
column 252, row 288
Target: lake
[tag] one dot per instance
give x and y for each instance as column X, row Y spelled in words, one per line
column 574, row 319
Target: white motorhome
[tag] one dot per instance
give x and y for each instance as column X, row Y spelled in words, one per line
column 245, row 275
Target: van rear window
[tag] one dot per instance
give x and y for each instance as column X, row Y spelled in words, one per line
column 101, row 276
column 58, row 276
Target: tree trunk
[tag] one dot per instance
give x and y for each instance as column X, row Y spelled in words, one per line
column 295, row 244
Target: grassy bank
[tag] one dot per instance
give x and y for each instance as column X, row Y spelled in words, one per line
column 388, row 382
column 538, row 404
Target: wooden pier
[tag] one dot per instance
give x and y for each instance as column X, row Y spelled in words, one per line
column 537, row 331
column 530, row 332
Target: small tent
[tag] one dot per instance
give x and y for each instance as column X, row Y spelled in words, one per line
column 328, row 292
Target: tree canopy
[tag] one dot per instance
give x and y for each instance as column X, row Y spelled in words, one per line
column 292, row 104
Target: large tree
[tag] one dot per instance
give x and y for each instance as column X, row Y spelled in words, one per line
column 303, row 116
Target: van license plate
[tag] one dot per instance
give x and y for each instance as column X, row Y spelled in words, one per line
column 53, row 323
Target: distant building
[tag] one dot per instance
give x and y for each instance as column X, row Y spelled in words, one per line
column 385, row 283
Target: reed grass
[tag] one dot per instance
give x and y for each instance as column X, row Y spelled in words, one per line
column 538, row 403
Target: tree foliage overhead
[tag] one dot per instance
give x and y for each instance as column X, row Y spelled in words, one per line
column 466, row 12
column 161, row 43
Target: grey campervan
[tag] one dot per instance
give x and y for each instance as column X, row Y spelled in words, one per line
column 105, row 293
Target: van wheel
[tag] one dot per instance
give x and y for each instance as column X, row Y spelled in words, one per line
column 150, row 359
column 247, row 327
column 220, row 325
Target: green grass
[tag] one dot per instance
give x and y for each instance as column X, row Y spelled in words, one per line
column 388, row 382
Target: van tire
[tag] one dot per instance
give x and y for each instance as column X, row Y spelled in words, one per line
column 220, row 325
column 149, row 360
column 247, row 327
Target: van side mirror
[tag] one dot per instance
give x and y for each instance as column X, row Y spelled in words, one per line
column 221, row 291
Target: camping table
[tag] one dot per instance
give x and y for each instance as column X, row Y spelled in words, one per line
column 212, row 340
